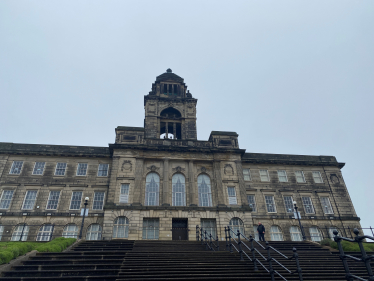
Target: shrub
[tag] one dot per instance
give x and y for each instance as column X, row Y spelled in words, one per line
column 6, row 256
column 57, row 245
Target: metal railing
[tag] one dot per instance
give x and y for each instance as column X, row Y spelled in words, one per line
column 365, row 258
column 207, row 239
column 255, row 260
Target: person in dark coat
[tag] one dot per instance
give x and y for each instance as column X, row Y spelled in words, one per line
column 261, row 232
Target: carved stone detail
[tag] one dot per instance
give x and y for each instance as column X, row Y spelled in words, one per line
column 126, row 166
column 153, row 168
column 203, row 169
column 228, row 170
column 334, row 178
column 178, row 169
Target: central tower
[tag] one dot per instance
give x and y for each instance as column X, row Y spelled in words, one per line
column 170, row 110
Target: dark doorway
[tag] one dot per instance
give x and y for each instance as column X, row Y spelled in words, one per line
column 180, row 229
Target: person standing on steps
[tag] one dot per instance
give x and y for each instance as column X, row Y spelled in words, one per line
column 261, row 232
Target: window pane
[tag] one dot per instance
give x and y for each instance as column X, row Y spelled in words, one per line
column 295, row 233
column 331, row 232
column 300, row 176
column 82, row 169
column 20, row 233
column 70, row 231
column 150, row 228
column 307, row 202
column 76, row 199
column 124, row 196
column 205, row 193
column 209, row 225
column 264, row 175
column 270, row 205
column 282, row 176
column 235, row 225
column 94, row 232
column 179, row 190
column 16, row 167
column 232, row 195
column 6, row 198
column 53, row 200
column 315, row 234
column 247, row 174
column 276, row 233
column 38, row 168
column 152, row 189
column 326, row 205
column 44, row 233
column 121, row 227
column 103, row 170
column 98, row 202
column 288, row 202
column 30, row 198
column 255, row 236
column 252, row 202
column 60, row 169
column 317, row 177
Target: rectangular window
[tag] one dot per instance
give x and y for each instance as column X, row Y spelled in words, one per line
column 247, row 174
column 150, row 228
column 282, row 175
column 30, row 198
column 326, row 205
column 300, row 176
column 76, row 198
column 288, row 203
column 103, row 170
column 82, row 169
column 232, row 195
column 16, row 168
column 264, row 175
column 38, row 168
column 53, row 200
column 270, row 205
column 209, row 225
column 60, row 169
column 98, row 202
column 6, row 198
column 317, row 177
column 308, row 205
column 124, row 196
column 252, row 202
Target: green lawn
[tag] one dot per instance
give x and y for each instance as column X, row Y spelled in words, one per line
column 11, row 250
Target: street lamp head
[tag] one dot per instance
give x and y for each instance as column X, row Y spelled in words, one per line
column 294, row 202
column 86, row 198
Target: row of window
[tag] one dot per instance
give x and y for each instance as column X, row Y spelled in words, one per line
column 151, row 230
column 60, row 169
column 289, row 205
column 282, row 176
column 53, row 199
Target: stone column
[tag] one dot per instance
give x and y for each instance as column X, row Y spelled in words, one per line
column 217, row 187
column 166, row 129
column 139, row 187
column 165, row 189
column 239, row 171
column 191, row 185
column 174, row 130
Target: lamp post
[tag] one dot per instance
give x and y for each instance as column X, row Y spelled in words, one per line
column 84, row 214
column 298, row 218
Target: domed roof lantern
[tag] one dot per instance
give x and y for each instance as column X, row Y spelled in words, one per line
column 168, row 70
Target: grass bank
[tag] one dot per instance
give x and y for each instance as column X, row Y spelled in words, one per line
column 347, row 246
column 11, row 250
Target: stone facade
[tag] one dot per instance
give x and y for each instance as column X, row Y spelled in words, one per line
column 167, row 148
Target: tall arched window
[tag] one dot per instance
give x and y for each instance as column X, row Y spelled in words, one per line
column 94, row 232
column 70, row 231
column 152, row 189
column 315, row 234
column 121, row 227
column 276, row 233
column 255, row 236
column 45, row 233
column 295, row 233
column 331, row 231
column 20, row 232
column 179, row 190
column 205, row 192
column 236, row 224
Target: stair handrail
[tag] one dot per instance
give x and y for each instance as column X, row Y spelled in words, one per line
column 269, row 258
column 364, row 257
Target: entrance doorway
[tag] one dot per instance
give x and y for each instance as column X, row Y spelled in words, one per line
column 180, row 229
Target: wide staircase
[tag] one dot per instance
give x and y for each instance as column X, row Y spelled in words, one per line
column 175, row 260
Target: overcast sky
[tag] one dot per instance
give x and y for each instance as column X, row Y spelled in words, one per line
column 293, row 77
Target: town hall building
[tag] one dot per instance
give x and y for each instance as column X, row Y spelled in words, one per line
column 159, row 182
